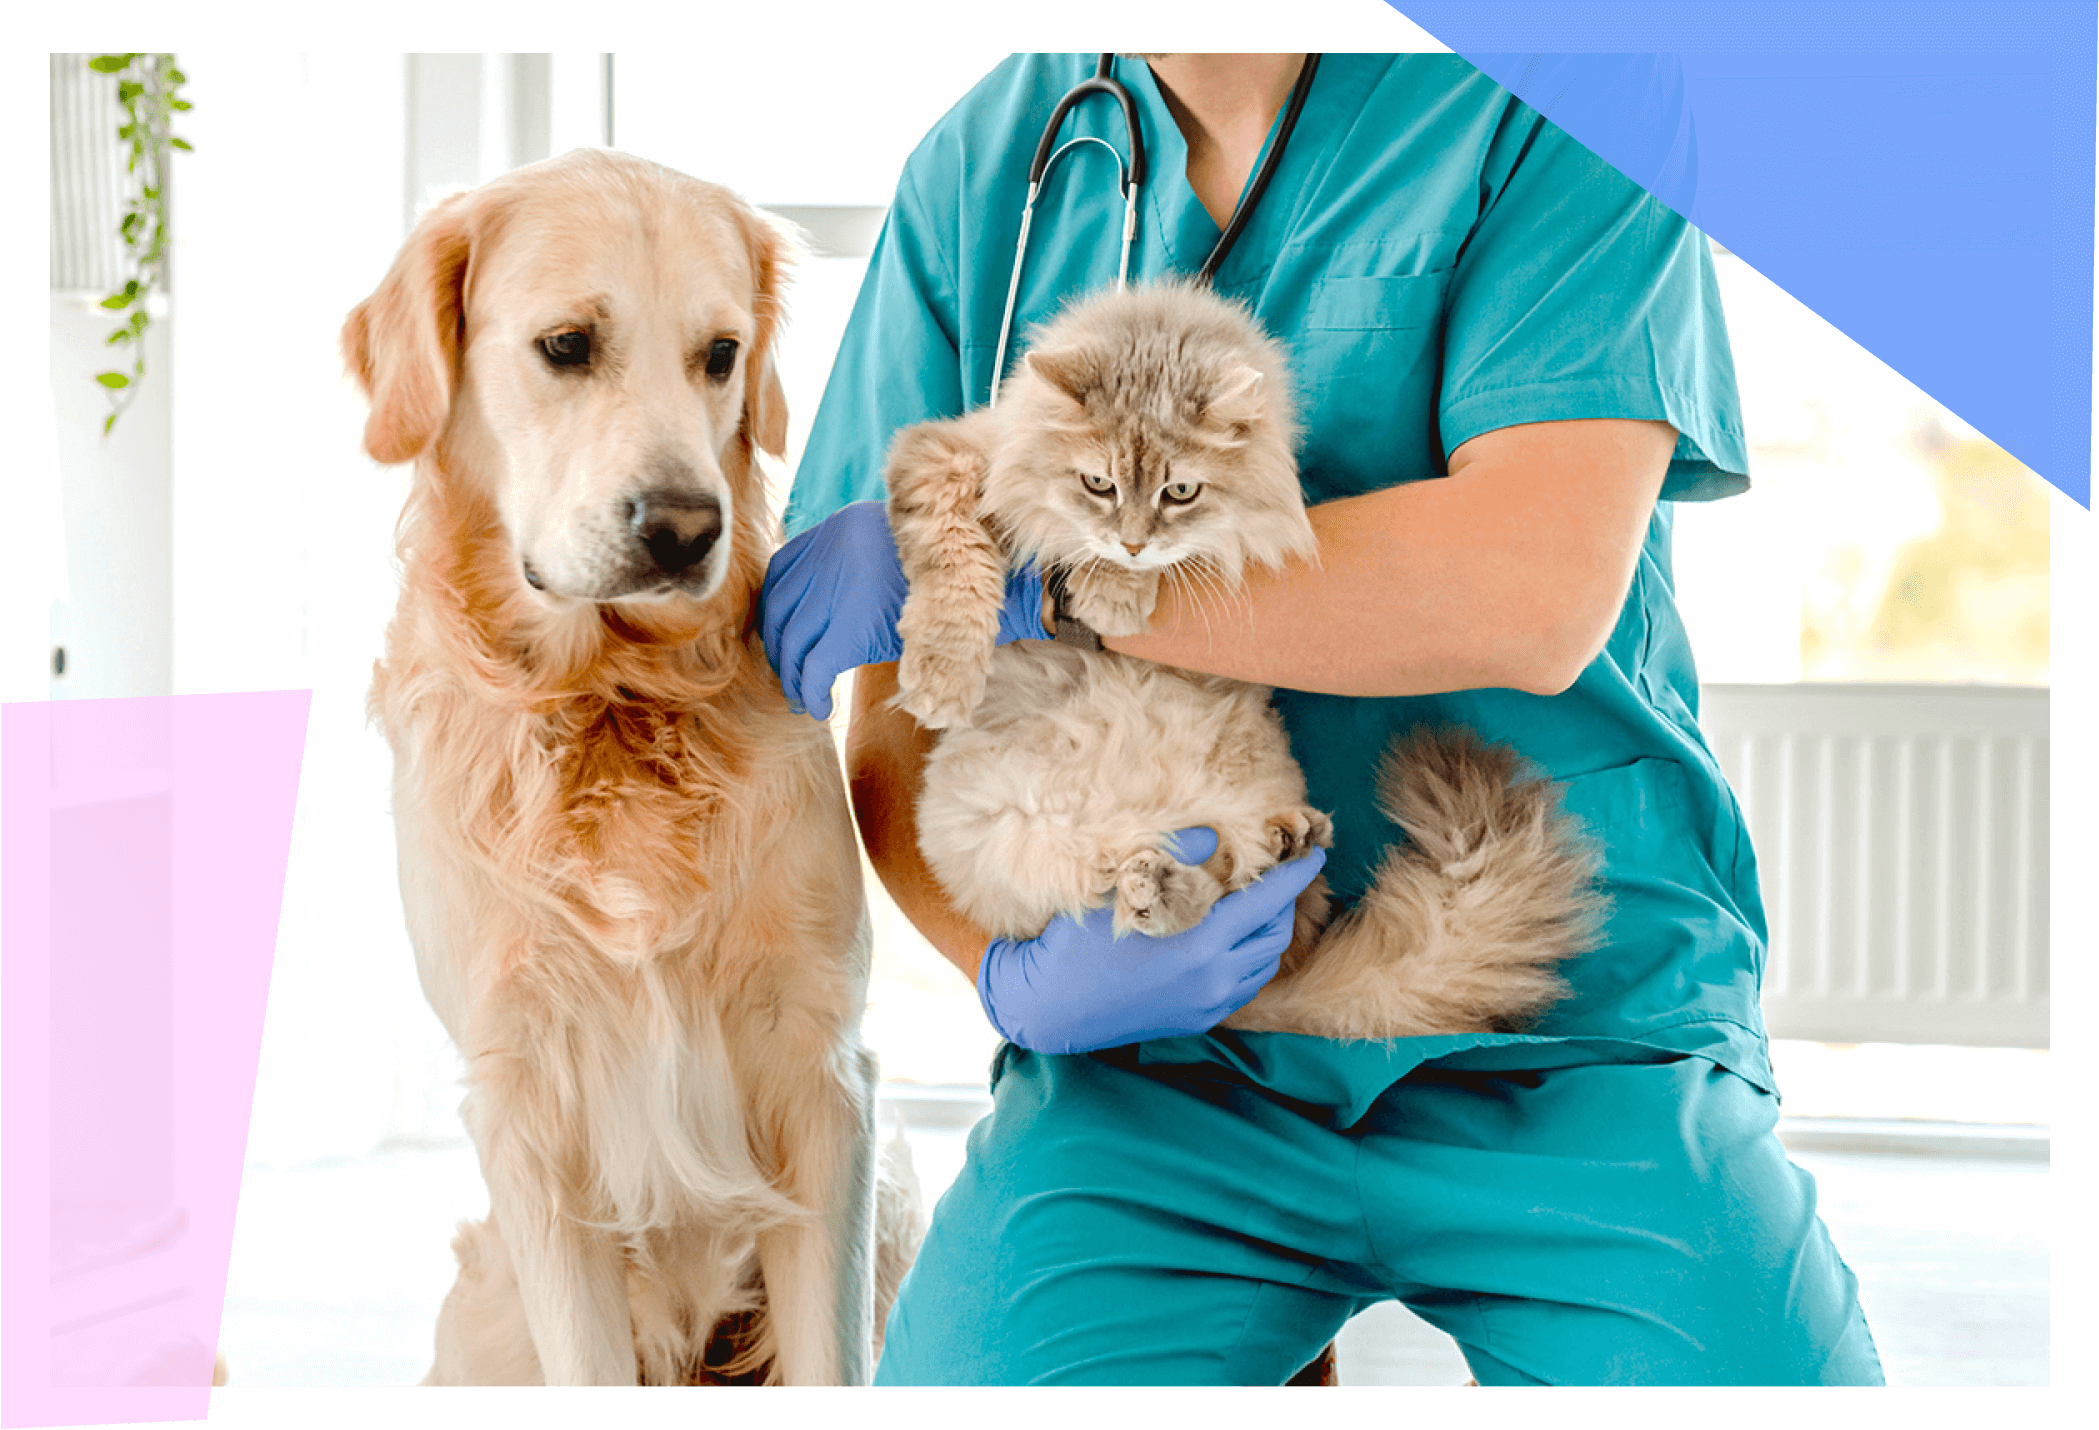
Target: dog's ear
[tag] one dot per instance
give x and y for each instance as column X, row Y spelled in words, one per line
column 402, row 343
column 775, row 248
column 765, row 405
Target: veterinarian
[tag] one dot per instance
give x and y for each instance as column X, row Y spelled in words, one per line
column 1511, row 364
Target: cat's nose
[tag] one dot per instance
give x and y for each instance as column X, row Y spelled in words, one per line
column 1133, row 547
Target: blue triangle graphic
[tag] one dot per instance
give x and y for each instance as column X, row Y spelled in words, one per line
column 1902, row 196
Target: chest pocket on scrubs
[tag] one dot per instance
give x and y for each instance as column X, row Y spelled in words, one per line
column 1367, row 361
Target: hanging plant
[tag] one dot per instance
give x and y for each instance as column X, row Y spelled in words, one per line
column 148, row 87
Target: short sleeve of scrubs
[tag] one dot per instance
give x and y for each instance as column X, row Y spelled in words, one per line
column 898, row 363
column 1579, row 295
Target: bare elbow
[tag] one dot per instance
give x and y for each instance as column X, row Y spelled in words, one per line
column 1563, row 648
column 1548, row 680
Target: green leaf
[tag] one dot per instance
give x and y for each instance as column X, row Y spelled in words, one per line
column 121, row 335
column 138, row 320
column 108, row 64
column 112, row 380
column 128, row 90
column 117, row 300
column 176, row 76
column 108, row 422
column 182, row 144
column 149, row 191
column 179, row 104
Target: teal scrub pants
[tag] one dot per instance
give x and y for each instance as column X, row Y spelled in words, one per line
column 1603, row 1224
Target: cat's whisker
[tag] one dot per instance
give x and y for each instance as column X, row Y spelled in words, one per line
column 1184, row 582
column 1210, row 582
column 1198, row 587
column 1225, row 597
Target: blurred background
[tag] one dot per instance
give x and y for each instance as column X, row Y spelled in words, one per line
column 1871, row 623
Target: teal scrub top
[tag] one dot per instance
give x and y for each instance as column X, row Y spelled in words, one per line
column 1440, row 261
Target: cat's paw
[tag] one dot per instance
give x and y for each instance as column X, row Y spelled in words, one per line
column 1158, row 896
column 939, row 689
column 933, row 469
column 1115, row 602
column 1297, row 832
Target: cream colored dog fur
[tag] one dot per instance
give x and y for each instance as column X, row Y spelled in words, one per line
column 629, row 871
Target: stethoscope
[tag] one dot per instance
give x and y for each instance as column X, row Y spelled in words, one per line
column 1130, row 179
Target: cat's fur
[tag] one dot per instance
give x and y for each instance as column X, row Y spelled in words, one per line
column 1061, row 771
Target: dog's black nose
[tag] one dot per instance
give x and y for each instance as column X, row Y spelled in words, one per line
column 678, row 528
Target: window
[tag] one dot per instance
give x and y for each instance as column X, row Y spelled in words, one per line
column 1883, row 538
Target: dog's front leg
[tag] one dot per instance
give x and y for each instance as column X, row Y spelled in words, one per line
column 570, row 1277
column 819, row 1282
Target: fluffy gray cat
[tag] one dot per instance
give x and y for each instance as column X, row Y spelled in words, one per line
column 1148, row 436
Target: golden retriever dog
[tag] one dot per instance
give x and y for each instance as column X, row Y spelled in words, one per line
column 629, row 871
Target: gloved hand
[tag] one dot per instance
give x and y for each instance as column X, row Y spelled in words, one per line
column 1077, row 987
column 832, row 597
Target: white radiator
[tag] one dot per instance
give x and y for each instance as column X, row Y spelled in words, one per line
column 88, row 186
column 1902, row 836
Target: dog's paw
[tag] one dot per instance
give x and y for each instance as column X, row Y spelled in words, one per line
column 1158, row 896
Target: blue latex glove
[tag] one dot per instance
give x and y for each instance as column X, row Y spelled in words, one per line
column 832, row 597
column 1077, row 987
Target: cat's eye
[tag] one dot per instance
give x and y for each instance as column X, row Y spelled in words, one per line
column 721, row 358
column 1099, row 485
column 1182, row 491
column 566, row 349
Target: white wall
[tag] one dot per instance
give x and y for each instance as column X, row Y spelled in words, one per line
column 821, row 124
column 287, row 214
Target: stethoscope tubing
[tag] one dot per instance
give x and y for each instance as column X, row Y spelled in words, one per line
column 1244, row 211
column 1102, row 82
column 1130, row 180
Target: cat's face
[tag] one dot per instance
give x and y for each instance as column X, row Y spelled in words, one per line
column 1148, row 489
column 1153, row 432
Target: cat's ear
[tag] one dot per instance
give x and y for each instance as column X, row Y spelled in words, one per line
column 1234, row 403
column 1071, row 371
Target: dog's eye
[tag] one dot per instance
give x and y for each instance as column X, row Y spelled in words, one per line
column 569, row 349
column 1099, row 485
column 1182, row 491
column 721, row 358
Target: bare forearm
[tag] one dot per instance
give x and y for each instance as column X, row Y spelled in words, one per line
column 885, row 754
column 1507, row 573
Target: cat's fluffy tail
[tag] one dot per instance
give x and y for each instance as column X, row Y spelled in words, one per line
column 1465, row 922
